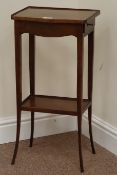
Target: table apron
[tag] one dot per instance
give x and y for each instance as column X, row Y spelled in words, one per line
column 49, row 30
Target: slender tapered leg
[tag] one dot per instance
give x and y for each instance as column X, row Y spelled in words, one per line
column 32, row 78
column 32, row 129
column 80, row 50
column 18, row 65
column 90, row 83
column 17, row 137
column 90, row 129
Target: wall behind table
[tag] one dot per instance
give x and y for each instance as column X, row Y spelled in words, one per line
column 57, row 80
column 105, row 64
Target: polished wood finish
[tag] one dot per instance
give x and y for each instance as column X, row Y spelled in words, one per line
column 18, row 66
column 55, row 22
column 52, row 104
column 55, row 15
column 80, row 59
column 90, row 83
column 32, row 78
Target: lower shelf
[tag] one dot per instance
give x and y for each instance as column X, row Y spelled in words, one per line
column 52, row 104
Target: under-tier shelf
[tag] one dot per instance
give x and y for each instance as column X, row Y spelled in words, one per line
column 52, row 104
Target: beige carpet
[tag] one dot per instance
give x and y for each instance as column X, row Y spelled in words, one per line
column 56, row 155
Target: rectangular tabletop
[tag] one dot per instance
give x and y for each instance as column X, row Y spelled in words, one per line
column 55, row 15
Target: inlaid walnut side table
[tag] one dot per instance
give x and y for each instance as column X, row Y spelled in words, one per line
column 54, row 22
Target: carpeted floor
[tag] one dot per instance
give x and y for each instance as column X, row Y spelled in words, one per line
column 56, row 155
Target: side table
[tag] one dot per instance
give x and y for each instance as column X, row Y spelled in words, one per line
column 54, row 22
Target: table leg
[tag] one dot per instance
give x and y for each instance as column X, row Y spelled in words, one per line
column 18, row 65
column 90, row 83
column 32, row 78
column 80, row 50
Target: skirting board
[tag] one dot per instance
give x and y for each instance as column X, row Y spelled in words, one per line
column 48, row 124
column 103, row 133
column 45, row 124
